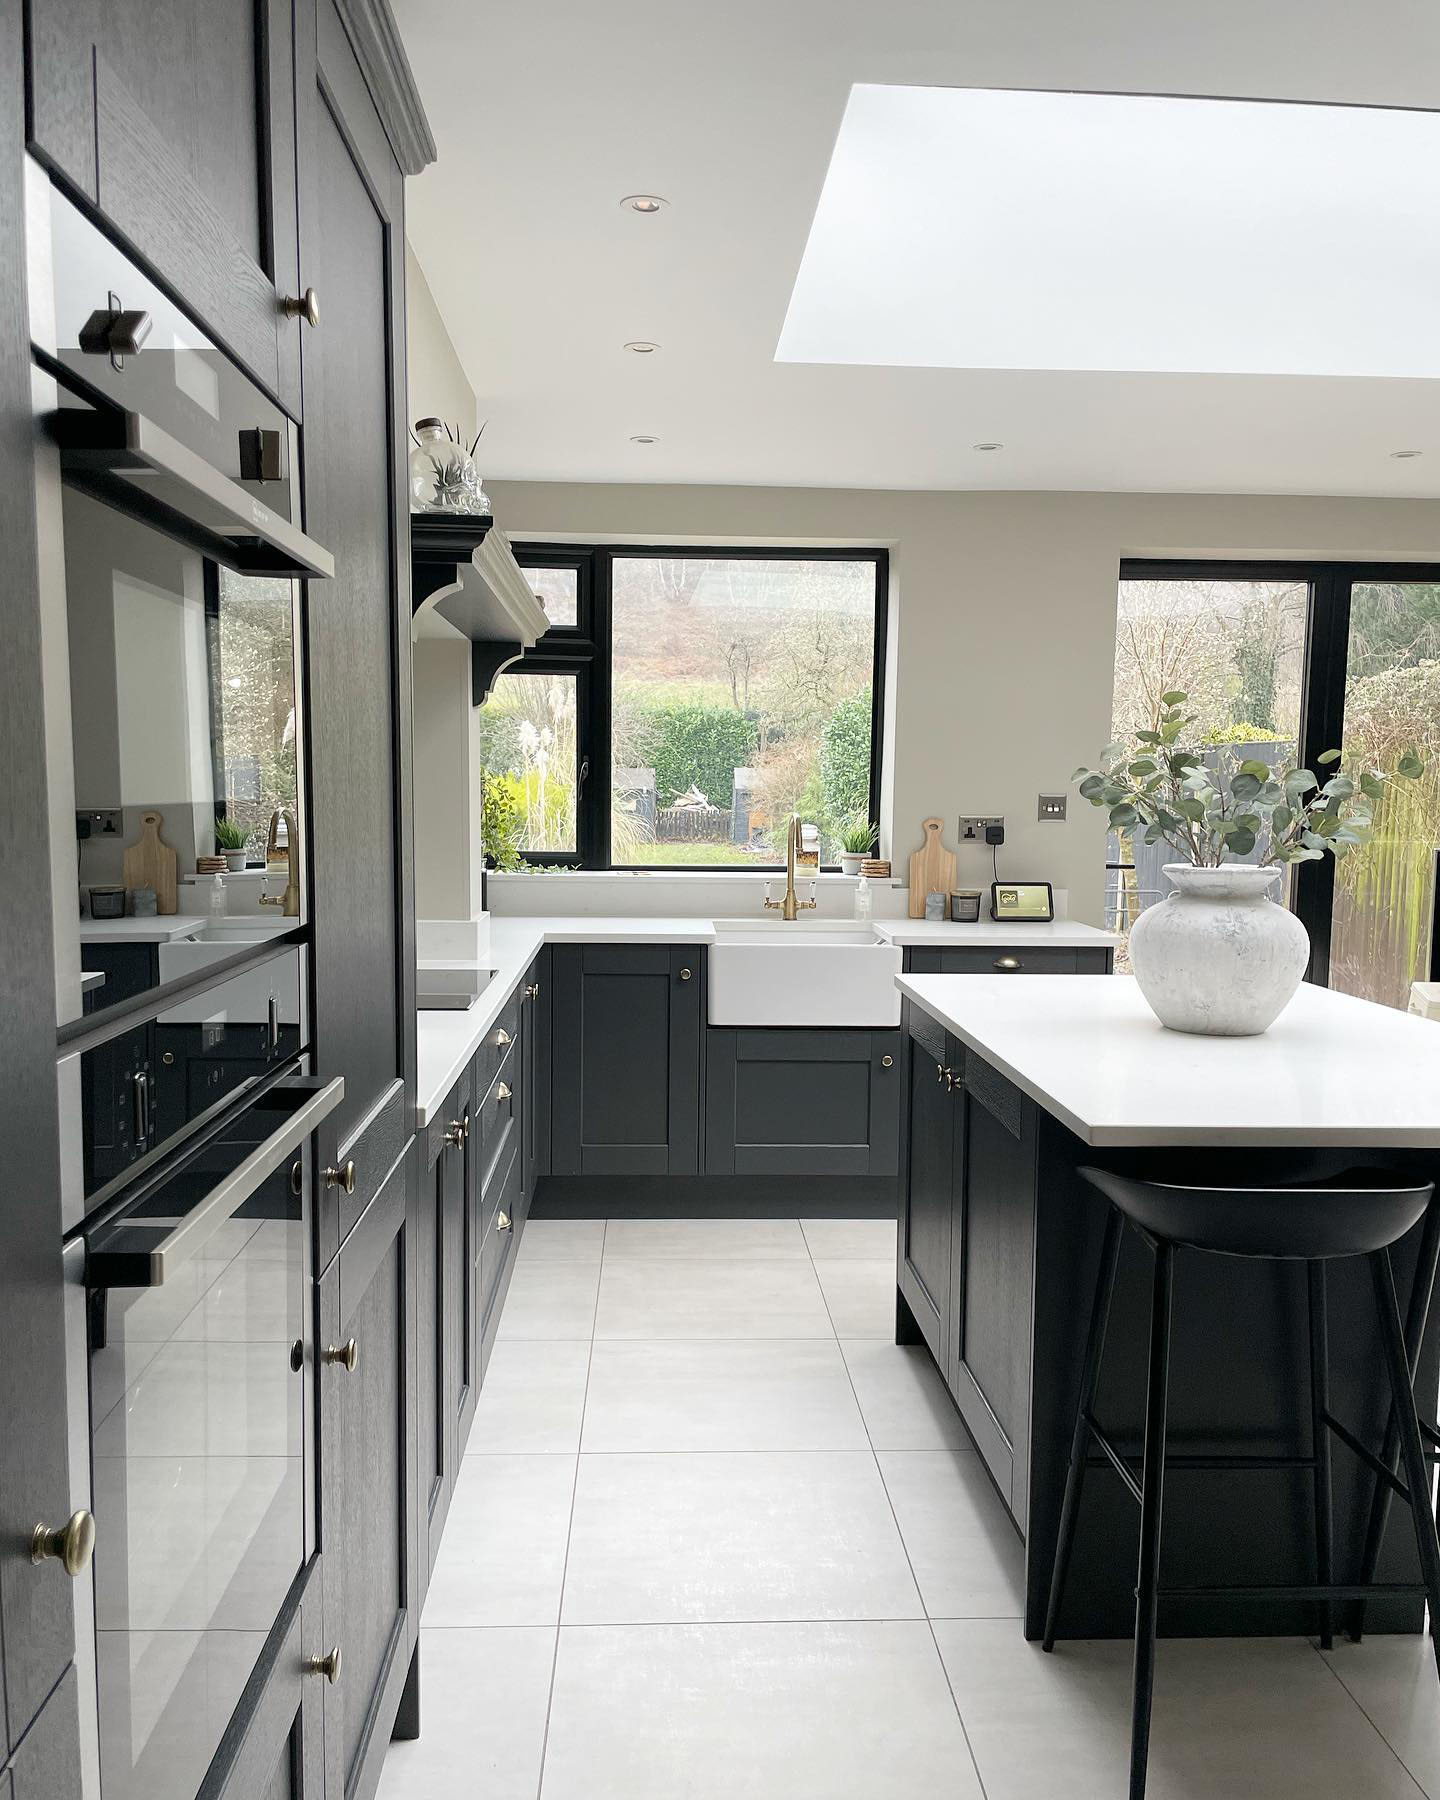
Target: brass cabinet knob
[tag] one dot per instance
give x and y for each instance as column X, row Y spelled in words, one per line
column 343, row 1177
column 887, row 1062
column 685, row 974
column 346, row 1355
column 532, row 992
column 71, row 1546
column 502, row 1038
column 304, row 306
column 328, row 1666
column 502, row 1092
column 503, row 1221
column 1007, row 964
column 455, row 1133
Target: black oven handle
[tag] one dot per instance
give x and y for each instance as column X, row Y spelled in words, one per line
column 225, row 1199
column 101, row 447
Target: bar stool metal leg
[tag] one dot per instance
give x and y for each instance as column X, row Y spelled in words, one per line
column 1080, row 1437
column 1407, row 1421
column 1320, row 1442
column 1151, row 1505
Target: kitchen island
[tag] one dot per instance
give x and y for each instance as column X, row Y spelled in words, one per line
column 1001, row 1237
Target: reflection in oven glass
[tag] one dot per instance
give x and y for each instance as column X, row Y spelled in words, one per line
column 198, row 1474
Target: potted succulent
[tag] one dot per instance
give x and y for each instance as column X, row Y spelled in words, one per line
column 230, row 840
column 1217, row 956
column 857, row 838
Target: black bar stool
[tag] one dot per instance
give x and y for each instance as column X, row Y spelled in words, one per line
column 1360, row 1213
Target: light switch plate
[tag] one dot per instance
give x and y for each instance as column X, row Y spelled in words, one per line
column 1052, row 806
column 972, row 831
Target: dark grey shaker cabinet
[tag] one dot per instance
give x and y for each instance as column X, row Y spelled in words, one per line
column 536, row 1045
column 789, row 1101
column 358, row 624
column 47, row 1762
column 1019, row 958
column 927, row 1195
column 175, row 119
column 626, row 1059
column 371, row 1517
column 36, row 1604
column 442, row 1311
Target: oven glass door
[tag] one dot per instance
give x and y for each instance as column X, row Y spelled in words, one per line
column 200, row 1376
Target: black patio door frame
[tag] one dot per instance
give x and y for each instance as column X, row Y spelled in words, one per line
column 1322, row 705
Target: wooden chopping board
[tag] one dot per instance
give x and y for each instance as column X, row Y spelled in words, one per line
column 149, row 863
column 932, row 869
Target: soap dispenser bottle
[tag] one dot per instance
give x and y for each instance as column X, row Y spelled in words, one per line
column 864, row 900
column 216, row 901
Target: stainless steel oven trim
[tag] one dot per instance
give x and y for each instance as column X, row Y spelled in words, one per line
column 94, row 445
column 229, row 1194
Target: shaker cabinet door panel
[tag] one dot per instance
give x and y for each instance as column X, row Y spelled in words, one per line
column 47, row 1764
column 357, row 624
column 784, row 1101
column 626, row 1058
column 175, row 119
column 927, row 1201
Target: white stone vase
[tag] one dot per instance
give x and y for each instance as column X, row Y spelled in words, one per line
column 1218, row 956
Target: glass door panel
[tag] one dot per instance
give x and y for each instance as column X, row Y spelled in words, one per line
column 1384, row 894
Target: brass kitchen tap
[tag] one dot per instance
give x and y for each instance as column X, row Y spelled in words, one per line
column 790, row 908
column 290, row 899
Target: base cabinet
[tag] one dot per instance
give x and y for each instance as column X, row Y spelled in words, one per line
column 789, row 1101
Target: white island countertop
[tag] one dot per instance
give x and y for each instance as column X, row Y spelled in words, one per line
column 1331, row 1070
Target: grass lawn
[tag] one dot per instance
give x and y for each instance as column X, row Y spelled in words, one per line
column 715, row 856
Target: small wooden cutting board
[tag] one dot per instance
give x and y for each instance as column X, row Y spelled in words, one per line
column 932, row 868
column 149, row 863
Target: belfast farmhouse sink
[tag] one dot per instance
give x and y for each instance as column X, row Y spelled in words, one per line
column 820, row 972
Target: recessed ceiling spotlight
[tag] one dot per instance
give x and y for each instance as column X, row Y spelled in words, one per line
column 987, row 446
column 644, row 437
column 647, row 204
column 1405, row 455
column 641, row 348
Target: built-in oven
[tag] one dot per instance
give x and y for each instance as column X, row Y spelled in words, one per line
column 191, row 1295
column 171, row 556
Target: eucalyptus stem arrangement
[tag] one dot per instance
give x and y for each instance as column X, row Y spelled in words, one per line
column 1211, row 807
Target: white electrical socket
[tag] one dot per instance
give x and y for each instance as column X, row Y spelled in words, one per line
column 972, row 831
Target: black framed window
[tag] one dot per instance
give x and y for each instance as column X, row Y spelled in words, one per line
column 1286, row 660
column 686, row 701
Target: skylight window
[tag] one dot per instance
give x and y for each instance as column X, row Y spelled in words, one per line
column 985, row 229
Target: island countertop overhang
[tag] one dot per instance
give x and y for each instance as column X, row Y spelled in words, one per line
column 1331, row 1071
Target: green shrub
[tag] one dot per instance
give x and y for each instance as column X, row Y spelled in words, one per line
column 845, row 759
column 700, row 746
column 502, row 819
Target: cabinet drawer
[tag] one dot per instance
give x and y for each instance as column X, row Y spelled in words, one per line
column 1008, row 960
column 499, row 1041
column 497, row 1249
column 497, row 1121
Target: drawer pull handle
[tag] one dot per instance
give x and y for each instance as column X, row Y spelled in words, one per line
column 502, row 1221
column 533, row 991
column 304, row 306
column 72, row 1545
column 887, row 1062
column 502, row 1092
column 940, row 1073
column 328, row 1666
column 1007, row 964
column 344, row 1356
column 502, row 1039
column 343, row 1177
column 456, row 1133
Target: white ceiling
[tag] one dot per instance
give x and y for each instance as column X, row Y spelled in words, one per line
column 547, row 112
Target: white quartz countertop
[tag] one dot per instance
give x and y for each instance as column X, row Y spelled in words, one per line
column 446, row 1041
column 1331, row 1070
column 157, row 929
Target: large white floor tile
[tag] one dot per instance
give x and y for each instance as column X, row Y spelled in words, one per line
column 562, row 1240
column 767, row 1394
column 502, row 1560
column 484, row 1696
column 966, row 1556
column 763, row 1712
column 550, row 1300
column 733, row 1240
column 663, row 1298
column 904, row 1401
column 533, row 1397
column 860, row 1296
column 868, row 1240
column 1393, row 1678
column 775, row 1535
column 1235, row 1719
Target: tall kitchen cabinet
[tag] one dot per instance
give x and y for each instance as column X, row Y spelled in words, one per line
column 357, row 118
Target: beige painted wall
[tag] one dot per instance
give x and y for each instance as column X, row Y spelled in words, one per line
column 1002, row 624
column 435, row 379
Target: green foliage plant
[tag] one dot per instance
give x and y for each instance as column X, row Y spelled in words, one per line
column 1211, row 809
column 845, row 759
column 858, row 836
column 229, row 835
column 502, row 819
column 697, row 745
